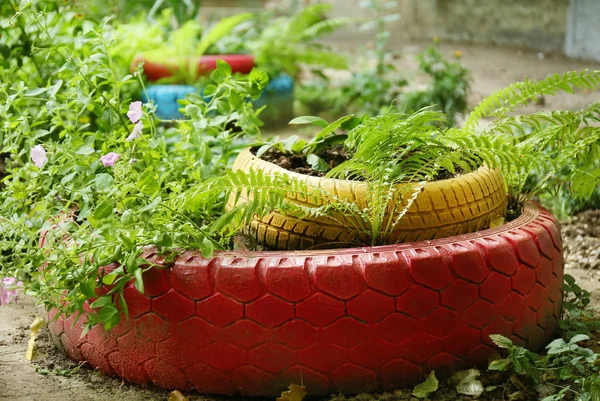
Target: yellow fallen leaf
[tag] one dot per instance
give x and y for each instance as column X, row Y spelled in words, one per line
column 35, row 326
column 496, row 221
column 295, row 393
column 31, row 348
column 177, row 396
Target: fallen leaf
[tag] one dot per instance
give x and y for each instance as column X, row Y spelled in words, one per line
column 35, row 326
column 177, row 396
column 31, row 352
column 469, row 385
column 429, row 386
column 295, row 393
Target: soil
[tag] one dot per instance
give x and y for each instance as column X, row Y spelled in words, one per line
column 582, row 247
column 298, row 164
column 332, row 156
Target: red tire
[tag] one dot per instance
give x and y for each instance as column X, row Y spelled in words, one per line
column 242, row 63
column 348, row 320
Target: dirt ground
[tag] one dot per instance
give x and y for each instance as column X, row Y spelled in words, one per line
column 492, row 68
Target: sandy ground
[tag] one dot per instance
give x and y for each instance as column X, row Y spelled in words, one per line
column 491, row 68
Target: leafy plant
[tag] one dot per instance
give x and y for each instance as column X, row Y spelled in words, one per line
column 392, row 151
column 111, row 175
column 287, row 43
column 327, row 138
column 186, row 43
column 448, row 88
column 577, row 317
column 567, row 368
column 372, row 90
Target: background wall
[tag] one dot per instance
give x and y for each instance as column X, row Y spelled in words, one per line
column 563, row 26
column 538, row 24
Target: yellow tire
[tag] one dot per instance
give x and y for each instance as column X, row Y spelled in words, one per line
column 444, row 208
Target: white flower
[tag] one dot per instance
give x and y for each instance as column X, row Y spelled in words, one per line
column 38, row 155
column 137, row 131
column 135, row 112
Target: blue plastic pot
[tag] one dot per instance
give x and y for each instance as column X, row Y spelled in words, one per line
column 278, row 96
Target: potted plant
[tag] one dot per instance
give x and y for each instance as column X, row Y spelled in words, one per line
column 277, row 46
column 145, row 275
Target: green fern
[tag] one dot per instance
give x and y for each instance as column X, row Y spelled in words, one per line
column 309, row 16
column 324, row 27
column 394, row 155
column 521, row 93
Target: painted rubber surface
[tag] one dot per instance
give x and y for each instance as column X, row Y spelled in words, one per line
column 242, row 63
column 445, row 208
column 348, row 320
column 278, row 96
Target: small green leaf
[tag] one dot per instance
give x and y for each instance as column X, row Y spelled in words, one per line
column 298, row 146
column 102, row 301
column 317, row 163
column 499, row 365
column 429, row 386
column 206, row 248
column 139, row 281
column 223, row 71
column 579, row 338
column 104, row 181
column 318, row 121
column 192, row 111
column 88, row 288
column 67, row 178
column 109, row 278
column 261, row 151
column 109, row 316
column 209, row 90
column 104, row 209
column 501, row 341
column 85, row 150
column 258, row 77
column 35, row 92
column 151, row 206
column 569, row 279
column 148, row 184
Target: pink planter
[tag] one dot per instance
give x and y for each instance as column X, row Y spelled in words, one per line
column 348, row 320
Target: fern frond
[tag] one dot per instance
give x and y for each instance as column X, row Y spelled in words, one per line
column 306, row 18
column 583, row 183
column 323, row 58
column 520, row 93
column 324, row 27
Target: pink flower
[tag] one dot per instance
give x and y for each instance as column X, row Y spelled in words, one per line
column 38, row 155
column 109, row 159
column 135, row 112
column 137, row 131
column 8, row 290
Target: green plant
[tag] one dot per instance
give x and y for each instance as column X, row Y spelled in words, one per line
column 388, row 152
column 447, row 90
column 372, row 90
column 577, row 316
column 326, row 138
column 568, row 369
column 187, row 42
column 287, row 43
column 109, row 174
